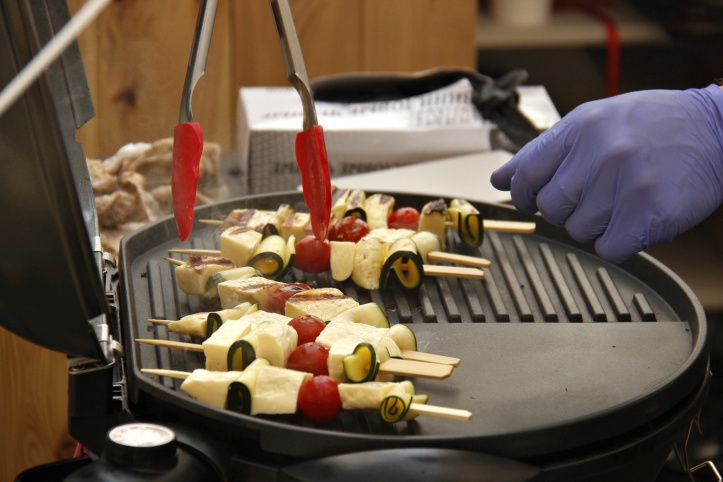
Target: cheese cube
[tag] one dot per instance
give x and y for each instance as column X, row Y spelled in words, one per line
column 209, row 386
column 277, row 390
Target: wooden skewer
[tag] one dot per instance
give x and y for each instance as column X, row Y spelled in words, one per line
column 406, row 354
column 159, row 322
column 509, row 226
column 415, row 408
column 212, row 222
column 166, row 373
column 430, row 358
column 459, row 259
column 453, row 271
column 393, row 366
column 177, row 262
column 197, row 252
column 442, row 412
column 172, row 344
column 411, row 368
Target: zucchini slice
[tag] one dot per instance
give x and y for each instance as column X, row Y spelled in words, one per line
column 289, row 257
column 241, row 391
column 403, row 336
column 362, row 365
column 394, row 407
column 403, row 266
column 269, row 257
column 467, row 221
column 367, row 314
column 241, row 354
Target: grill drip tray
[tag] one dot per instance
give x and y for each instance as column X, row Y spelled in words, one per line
column 559, row 349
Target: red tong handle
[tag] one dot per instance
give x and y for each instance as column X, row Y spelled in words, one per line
column 315, row 179
column 187, row 150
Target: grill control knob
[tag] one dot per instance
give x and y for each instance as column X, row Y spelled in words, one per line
column 140, row 445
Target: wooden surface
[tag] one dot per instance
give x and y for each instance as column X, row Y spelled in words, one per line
column 137, row 51
column 135, row 56
column 33, row 406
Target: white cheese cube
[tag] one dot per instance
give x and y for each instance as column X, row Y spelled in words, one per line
column 277, row 390
column 209, row 386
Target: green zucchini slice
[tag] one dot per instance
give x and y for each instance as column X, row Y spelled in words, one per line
column 394, row 407
column 403, row 266
column 403, row 336
column 241, row 354
column 269, row 257
column 367, row 313
column 362, row 365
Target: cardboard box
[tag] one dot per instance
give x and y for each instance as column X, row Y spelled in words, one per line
column 359, row 137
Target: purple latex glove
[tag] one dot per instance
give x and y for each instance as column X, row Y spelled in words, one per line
column 625, row 172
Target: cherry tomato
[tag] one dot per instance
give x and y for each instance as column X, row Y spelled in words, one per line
column 283, row 293
column 350, row 228
column 312, row 255
column 310, row 357
column 404, row 218
column 319, row 399
column 307, row 327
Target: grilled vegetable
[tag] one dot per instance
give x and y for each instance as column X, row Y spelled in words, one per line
column 426, row 242
column 378, row 207
column 193, row 275
column 326, row 303
column 241, row 391
column 368, row 314
column 467, row 221
column 277, row 390
column 239, row 244
column 217, row 346
column 362, row 365
column 396, row 404
column 255, row 289
column 404, row 218
column 355, row 204
column 270, row 337
column 313, row 255
column 433, row 218
column 230, row 274
column 272, row 256
column 319, row 399
column 341, row 259
column 309, row 357
column 403, row 336
column 403, row 266
column 210, row 386
column 282, row 294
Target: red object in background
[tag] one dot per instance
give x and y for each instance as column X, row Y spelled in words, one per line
column 187, row 150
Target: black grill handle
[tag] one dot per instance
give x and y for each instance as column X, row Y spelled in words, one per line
column 412, row 464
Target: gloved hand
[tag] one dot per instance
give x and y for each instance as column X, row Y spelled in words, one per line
column 625, row 172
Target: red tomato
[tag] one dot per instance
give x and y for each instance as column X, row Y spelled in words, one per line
column 312, row 255
column 319, row 399
column 307, row 327
column 404, row 218
column 350, row 228
column 309, row 357
column 283, row 293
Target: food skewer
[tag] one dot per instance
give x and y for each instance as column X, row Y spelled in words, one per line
column 392, row 366
column 414, row 408
column 406, row 354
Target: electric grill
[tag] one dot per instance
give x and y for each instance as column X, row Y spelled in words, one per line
column 573, row 368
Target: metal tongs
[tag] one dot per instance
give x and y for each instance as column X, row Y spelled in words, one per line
column 310, row 146
column 188, row 135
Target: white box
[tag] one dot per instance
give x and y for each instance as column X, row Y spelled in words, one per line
column 359, row 137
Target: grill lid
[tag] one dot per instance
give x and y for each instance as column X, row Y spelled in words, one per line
column 50, row 284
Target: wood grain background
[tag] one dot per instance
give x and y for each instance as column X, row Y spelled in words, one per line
column 135, row 56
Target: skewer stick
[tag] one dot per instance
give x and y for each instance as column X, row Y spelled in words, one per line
column 459, row 259
column 430, row 358
column 411, row 368
column 415, row 408
column 197, row 252
column 166, row 373
column 172, row 344
column 453, row 271
column 212, row 222
column 159, row 322
column 393, row 366
column 177, row 262
column 522, row 227
column 441, row 412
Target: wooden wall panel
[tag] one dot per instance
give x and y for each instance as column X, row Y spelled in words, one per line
column 413, row 35
column 33, row 406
